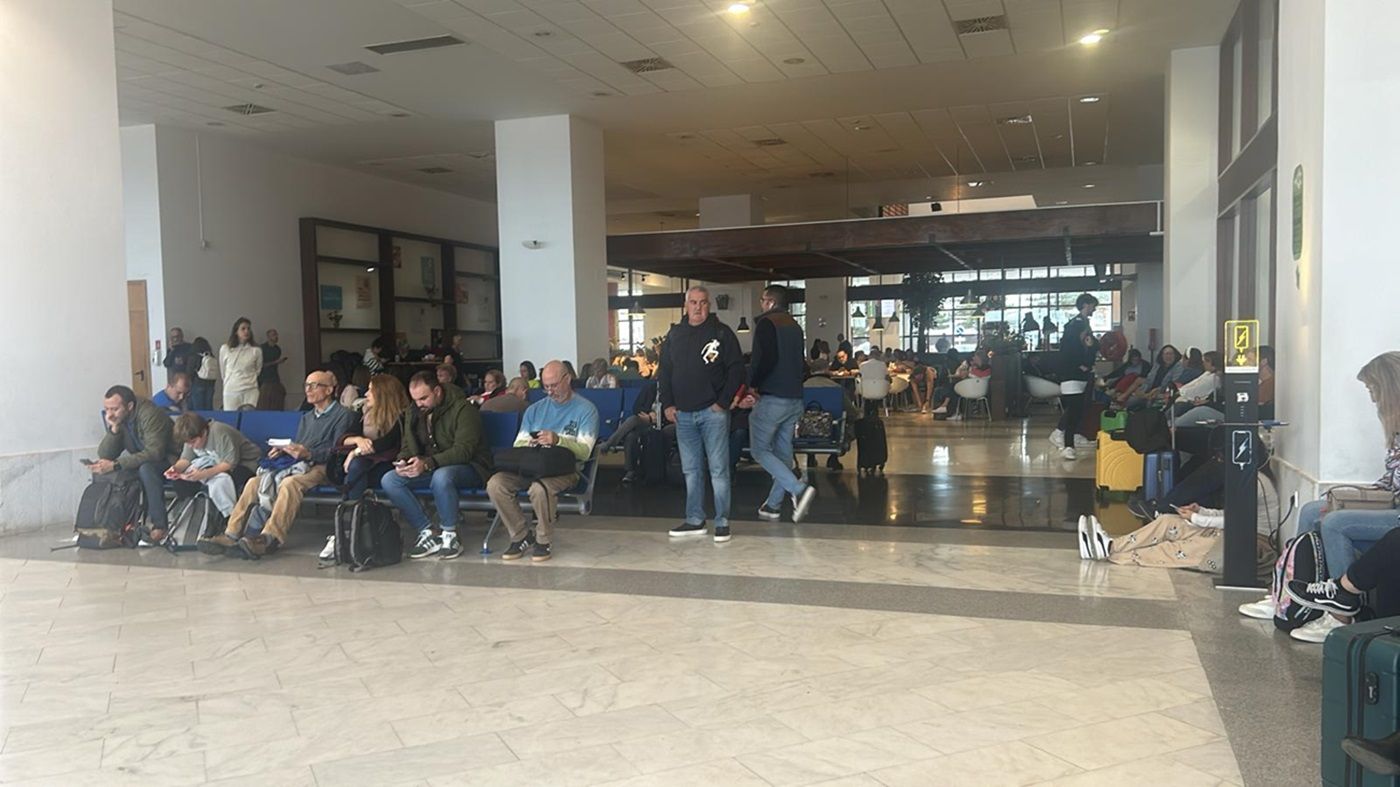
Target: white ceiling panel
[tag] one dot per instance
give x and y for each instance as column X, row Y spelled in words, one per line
column 996, row 43
column 972, row 9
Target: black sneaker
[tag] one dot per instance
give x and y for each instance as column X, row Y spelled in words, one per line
column 1141, row 509
column 540, row 553
column 721, row 533
column 628, row 477
column 685, row 529
column 1326, row 595
column 833, row 463
column 517, row 549
column 427, row 546
column 770, row 514
column 451, row 546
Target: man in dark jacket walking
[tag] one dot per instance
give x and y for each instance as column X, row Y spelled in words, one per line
column 776, row 368
column 701, row 370
column 1078, row 349
column 444, row 449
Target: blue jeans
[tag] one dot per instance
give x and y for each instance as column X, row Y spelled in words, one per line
column 771, row 426
column 152, row 475
column 703, row 438
column 444, row 481
column 364, row 472
column 1341, row 530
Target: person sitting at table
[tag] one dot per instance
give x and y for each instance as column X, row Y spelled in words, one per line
column 842, row 362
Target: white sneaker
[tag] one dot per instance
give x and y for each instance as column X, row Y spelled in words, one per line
column 1263, row 609
column 1057, row 439
column 1316, row 631
column 1086, row 535
column 1103, row 545
column 955, row 417
column 329, row 551
column 940, row 409
column 1084, row 444
column 1068, row 453
column 803, row 502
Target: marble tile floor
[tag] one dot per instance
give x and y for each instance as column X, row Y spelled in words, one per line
column 123, row 674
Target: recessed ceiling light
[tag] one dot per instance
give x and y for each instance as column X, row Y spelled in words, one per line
column 928, row 196
column 1061, row 202
column 739, row 9
column 859, row 127
column 1090, row 163
column 972, row 184
column 1089, row 100
column 795, row 61
column 1088, row 185
column 1059, row 136
column 1017, row 120
column 1090, row 39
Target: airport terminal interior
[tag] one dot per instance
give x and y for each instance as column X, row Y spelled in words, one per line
column 699, row 392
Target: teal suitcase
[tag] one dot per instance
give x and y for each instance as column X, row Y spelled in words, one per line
column 1360, row 697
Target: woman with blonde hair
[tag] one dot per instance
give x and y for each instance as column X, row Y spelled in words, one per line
column 1342, row 529
column 600, row 376
column 372, row 442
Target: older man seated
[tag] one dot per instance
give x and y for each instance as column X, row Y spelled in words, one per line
column 317, row 436
column 561, row 419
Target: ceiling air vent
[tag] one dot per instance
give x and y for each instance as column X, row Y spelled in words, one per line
column 434, row 170
column 981, row 24
column 647, row 65
column 770, row 142
column 248, row 109
column 432, row 42
column 1017, row 120
column 353, row 68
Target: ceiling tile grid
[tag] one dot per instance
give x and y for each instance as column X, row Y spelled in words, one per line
column 164, row 75
column 775, row 40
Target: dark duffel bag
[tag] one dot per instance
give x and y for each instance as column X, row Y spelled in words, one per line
column 535, row 462
column 1360, row 700
column 1147, row 431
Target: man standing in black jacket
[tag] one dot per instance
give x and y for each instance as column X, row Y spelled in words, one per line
column 701, row 370
column 775, row 381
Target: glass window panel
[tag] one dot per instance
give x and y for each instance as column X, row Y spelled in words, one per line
column 1263, row 264
column 1266, row 62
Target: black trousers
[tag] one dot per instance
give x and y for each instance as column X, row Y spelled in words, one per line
column 1072, row 406
column 1377, row 572
column 1203, row 486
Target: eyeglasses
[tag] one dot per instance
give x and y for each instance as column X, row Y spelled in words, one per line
column 315, row 385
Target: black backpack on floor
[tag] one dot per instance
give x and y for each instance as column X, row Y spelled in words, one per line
column 653, row 457
column 1147, row 431
column 366, row 535
column 110, row 511
column 192, row 518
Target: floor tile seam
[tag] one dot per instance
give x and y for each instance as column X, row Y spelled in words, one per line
column 970, row 538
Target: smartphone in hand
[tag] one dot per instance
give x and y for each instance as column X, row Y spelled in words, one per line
column 88, row 462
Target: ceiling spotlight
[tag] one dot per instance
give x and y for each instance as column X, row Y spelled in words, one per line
column 1093, row 38
column 1090, row 163
column 739, row 9
column 1089, row 100
column 972, row 184
column 1088, row 185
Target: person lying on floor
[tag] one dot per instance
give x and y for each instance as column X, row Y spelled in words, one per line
column 1189, row 537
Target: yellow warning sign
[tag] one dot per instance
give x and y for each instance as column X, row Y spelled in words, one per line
column 1242, row 355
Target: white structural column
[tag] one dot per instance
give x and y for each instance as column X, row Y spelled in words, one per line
column 827, row 309
column 552, row 219
column 1191, row 199
column 734, row 210
column 61, row 217
column 1339, row 91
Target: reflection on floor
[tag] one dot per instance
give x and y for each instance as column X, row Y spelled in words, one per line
column 863, row 648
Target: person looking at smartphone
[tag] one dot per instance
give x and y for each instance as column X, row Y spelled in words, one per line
column 137, row 439
column 559, row 419
column 318, row 434
column 216, row 457
column 444, row 449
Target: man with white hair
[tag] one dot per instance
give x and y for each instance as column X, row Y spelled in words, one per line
column 559, row 419
column 702, row 369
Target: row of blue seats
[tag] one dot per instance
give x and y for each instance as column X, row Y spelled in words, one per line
column 500, row 429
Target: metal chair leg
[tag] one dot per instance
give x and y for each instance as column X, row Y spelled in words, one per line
column 486, row 542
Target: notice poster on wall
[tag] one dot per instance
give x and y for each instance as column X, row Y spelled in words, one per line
column 398, row 257
column 332, row 297
column 429, row 273
column 460, row 293
column 362, row 292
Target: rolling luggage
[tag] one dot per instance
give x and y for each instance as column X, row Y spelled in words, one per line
column 1360, row 697
column 1117, row 467
column 653, row 457
column 1113, row 420
column 1158, row 474
column 872, row 451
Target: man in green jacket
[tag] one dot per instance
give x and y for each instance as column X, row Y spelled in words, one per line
column 137, row 439
column 444, row 449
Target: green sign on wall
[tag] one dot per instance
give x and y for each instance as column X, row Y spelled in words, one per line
column 1297, row 212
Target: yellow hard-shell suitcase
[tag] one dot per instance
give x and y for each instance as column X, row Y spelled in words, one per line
column 1117, row 468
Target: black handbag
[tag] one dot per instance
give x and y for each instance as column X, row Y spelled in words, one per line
column 534, row 462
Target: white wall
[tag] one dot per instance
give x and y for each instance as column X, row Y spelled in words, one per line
column 826, row 300
column 61, row 217
column 549, row 188
column 1148, row 302
column 252, row 199
column 1191, row 197
column 141, row 217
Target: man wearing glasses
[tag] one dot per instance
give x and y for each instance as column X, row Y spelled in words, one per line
column 317, row 435
column 560, row 419
column 775, row 376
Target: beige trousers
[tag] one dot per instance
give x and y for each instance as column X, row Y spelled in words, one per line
column 544, row 494
column 284, row 509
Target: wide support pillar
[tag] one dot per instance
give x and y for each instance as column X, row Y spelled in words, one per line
column 553, row 237
column 1191, row 200
column 740, row 300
